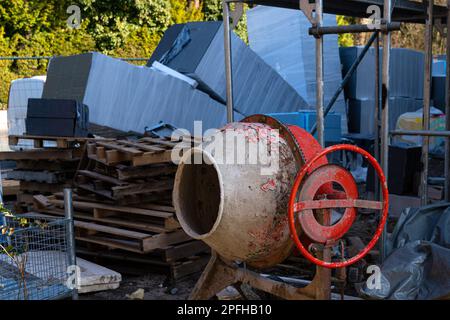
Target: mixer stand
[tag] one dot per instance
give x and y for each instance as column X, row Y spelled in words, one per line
column 221, row 273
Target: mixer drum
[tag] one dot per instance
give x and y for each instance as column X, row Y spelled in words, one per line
column 239, row 210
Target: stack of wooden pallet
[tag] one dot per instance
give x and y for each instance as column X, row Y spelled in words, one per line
column 123, row 206
column 43, row 170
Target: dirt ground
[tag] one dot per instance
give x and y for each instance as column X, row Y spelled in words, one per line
column 154, row 286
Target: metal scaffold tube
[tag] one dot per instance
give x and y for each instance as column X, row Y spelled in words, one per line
column 228, row 60
column 319, row 75
column 447, row 111
column 384, row 132
column 427, row 102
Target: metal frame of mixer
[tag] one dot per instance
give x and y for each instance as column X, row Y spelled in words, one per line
column 402, row 11
column 221, row 273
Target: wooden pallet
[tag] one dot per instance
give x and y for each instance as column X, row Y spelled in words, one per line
column 42, row 154
column 119, row 238
column 61, row 142
column 114, row 189
column 156, row 218
column 185, row 259
column 123, row 239
column 142, row 152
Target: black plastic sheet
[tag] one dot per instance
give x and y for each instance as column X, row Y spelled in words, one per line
column 418, row 262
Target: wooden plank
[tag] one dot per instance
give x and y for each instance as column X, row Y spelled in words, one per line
column 98, row 176
column 54, row 138
column 109, row 220
column 100, row 153
column 10, row 187
column 124, row 209
column 114, row 157
column 164, row 240
column 126, row 172
column 120, row 148
column 142, row 146
column 147, row 187
column 41, row 201
column 111, row 230
column 41, row 154
column 184, row 269
column 185, row 250
column 159, row 141
column 152, row 158
column 43, row 187
column 111, row 243
column 157, row 207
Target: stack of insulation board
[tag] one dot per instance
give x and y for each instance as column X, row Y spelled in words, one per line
column 406, row 86
column 280, row 37
column 196, row 49
column 20, row 91
column 128, row 97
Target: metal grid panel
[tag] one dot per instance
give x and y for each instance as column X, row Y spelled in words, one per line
column 35, row 267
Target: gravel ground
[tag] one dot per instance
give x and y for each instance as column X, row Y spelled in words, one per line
column 154, row 287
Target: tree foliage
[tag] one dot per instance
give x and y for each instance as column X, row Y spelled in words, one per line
column 125, row 28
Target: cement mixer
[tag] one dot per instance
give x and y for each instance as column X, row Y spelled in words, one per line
column 256, row 215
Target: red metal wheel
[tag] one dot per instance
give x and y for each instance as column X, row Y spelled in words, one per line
column 307, row 203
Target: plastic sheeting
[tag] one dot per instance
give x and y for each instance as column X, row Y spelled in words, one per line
column 418, row 263
column 413, row 121
column 20, row 91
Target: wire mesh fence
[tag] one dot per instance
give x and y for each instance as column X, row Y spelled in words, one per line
column 34, row 258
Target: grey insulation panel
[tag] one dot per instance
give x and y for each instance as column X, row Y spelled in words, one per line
column 280, row 37
column 129, row 98
column 68, row 77
column 257, row 87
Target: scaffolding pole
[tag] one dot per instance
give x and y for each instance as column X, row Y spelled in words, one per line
column 427, row 103
column 384, row 132
column 447, row 110
column 228, row 61
column 319, row 74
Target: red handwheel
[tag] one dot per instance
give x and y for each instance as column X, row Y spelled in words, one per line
column 310, row 198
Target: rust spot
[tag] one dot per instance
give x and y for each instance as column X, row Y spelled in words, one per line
column 270, row 185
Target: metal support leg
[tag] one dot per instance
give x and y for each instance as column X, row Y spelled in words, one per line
column 68, row 210
column 319, row 76
column 228, row 61
column 427, row 103
column 447, row 111
column 384, row 132
column 377, row 187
